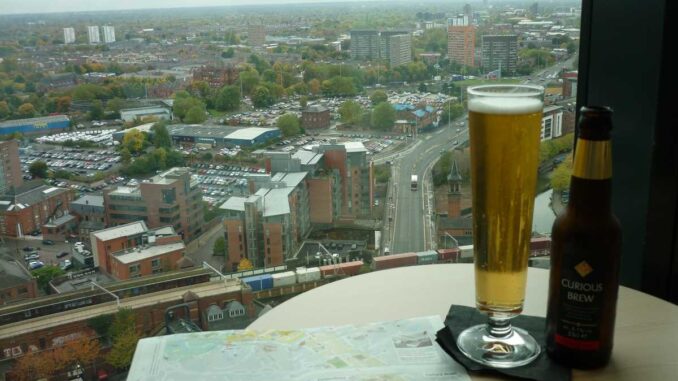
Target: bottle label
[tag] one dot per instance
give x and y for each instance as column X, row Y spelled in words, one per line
column 580, row 300
column 592, row 159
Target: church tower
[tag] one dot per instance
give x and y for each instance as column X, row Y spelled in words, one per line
column 454, row 192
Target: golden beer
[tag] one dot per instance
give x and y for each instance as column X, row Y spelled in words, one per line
column 505, row 136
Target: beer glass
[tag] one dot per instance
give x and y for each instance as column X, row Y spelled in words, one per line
column 504, row 126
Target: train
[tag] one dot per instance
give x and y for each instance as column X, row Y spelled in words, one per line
column 302, row 275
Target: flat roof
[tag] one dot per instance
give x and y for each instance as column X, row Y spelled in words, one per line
column 201, row 131
column 249, row 133
column 145, row 110
column 307, row 157
column 61, row 220
column 89, row 200
column 355, row 147
column 140, row 253
column 234, row 203
column 132, row 228
column 43, row 119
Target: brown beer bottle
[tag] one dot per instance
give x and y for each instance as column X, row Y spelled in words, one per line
column 585, row 254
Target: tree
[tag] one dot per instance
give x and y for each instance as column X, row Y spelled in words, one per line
column 314, row 86
column 206, row 156
column 161, row 138
column 228, row 99
column 245, row 265
column 4, row 109
column 451, row 112
column 351, row 112
column 45, row 274
column 184, row 102
column 96, row 110
column 261, row 97
column 123, row 348
column 248, row 80
column 133, row 140
column 62, row 104
column 123, row 321
column 38, row 169
column 228, row 53
column 219, row 247
column 125, row 156
column 48, row 363
column 383, row 116
column 26, row 110
column 289, row 125
column 115, row 104
column 195, row 115
column 303, row 101
column 560, row 178
column 378, row 97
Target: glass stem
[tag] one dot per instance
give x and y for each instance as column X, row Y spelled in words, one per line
column 499, row 327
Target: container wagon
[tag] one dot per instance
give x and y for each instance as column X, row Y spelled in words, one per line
column 308, row 274
column 427, row 257
column 394, row 260
column 341, row 269
column 259, row 282
column 287, row 278
column 448, row 255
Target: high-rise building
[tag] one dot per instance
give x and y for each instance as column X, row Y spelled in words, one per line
column 256, row 34
column 500, row 52
column 167, row 199
column 93, row 34
column 365, row 44
column 69, row 35
column 109, row 33
column 392, row 45
column 399, row 48
column 461, row 41
column 10, row 166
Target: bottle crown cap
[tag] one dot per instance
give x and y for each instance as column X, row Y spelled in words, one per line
column 595, row 122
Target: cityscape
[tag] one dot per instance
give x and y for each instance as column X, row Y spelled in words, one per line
column 178, row 170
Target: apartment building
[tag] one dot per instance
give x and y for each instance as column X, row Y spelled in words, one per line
column 69, row 35
column 10, row 166
column 500, row 52
column 395, row 46
column 167, row 199
column 216, row 77
column 256, row 34
column 133, row 250
column 93, row 34
column 109, row 34
column 400, row 49
column 461, row 41
column 365, row 44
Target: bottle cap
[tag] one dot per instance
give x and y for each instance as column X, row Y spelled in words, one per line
column 595, row 122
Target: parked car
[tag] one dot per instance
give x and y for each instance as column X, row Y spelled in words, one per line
column 35, row 233
column 28, row 248
column 34, row 265
column 47, row 242
column 31, row 257
column 65, row 264
column 62, row 254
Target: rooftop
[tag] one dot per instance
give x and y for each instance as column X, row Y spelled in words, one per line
column 30, row 197
column 316, row 108
column 43, row 119
column 234, row 203
column 307, row 157
column 133, row 228
column 249, row 133
column 12, row 273
column 355, row 147
column 146, row 110
column 91, row 200
column 201, row 131
column 140, row 253
column 60, row 221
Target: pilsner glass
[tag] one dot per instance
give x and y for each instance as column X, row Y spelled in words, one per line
column 504, row 127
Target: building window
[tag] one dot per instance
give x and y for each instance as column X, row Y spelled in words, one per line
column 155, row 263
column 134, row 269
column 169, row 196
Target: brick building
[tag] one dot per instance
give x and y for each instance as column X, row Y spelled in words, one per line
column 315, row 116
column 167, row 199
column 461, row 41
column 133, row 250
column 28, row 211
column 10, row 166
column 500, row 52
column 216, row 77
column 89, row 210
column 452, row 223
column 16, row 282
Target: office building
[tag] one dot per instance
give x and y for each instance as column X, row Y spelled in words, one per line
column 400, row 49
column 461, row 41
column 69, row 35
column 500, row 52
column 256, row 34
column 10, row 166
column 93, row 34
column 167, row 199
column 133, row 250
column 552, row 123
column 109, row 34
column 315, row 116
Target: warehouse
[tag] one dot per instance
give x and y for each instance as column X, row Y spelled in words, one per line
column 43, row 125
column 252, row 136
column 145, row 113
column 214, row 135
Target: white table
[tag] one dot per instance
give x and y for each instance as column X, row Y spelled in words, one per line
column 646, row 336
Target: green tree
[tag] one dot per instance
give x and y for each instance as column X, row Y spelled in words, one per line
column 96, row 110
column 249, row 80
column 262, row 97
column 125, row 156
column 289, row 125
column 38, row 169
column 219, row 247
column 228, row 99
column 378, row 96
column 4, row 110
column 45, row 274
column 195, row 115
column 26, row 110
column 351, row 112
column 207, row 156
column 124, row 320
column 122, row 351
column 451, row 112
column 383, row 116
column 161, row 138
column 133, row 140
column 115, row 105
column 228, row 53
column 303, row 101
column 183, row 103
column 560, row 177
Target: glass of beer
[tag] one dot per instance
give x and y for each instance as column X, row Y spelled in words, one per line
column 505, row 127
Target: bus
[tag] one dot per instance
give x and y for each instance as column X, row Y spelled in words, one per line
column 414, row 183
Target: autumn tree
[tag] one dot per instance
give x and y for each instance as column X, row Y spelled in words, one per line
column 26, row 110
column 4, row 109
column 245, row 264
column 133, row 140
column 50, row 362
column 122, row 351
column 314, row 86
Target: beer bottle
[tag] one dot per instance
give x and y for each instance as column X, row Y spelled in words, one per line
column 585, row 254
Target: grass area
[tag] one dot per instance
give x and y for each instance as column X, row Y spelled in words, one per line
column 479, row 81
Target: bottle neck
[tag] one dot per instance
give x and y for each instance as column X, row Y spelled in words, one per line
column 591, row 183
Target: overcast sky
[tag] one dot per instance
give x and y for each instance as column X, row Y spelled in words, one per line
column 47, row 6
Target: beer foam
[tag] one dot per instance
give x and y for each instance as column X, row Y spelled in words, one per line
column 505, row 105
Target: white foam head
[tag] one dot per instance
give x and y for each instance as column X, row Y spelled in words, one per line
column 505, row 105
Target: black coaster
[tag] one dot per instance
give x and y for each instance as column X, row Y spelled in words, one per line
column 542, row 369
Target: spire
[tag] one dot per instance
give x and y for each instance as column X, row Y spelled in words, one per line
column 454, row 175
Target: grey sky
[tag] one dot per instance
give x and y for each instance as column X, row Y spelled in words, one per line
column 48, row 6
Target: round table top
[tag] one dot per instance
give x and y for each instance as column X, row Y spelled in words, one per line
column 646, row 327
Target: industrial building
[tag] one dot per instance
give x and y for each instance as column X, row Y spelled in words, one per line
column 251, row 136
column 144, row 113
column 214, row 135
column 42, row 125
column 315, row 116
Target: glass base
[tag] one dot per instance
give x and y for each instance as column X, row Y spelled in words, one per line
column 515, row 349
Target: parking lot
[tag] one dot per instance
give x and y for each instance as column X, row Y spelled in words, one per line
column 83, row 162
column 219, row 182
